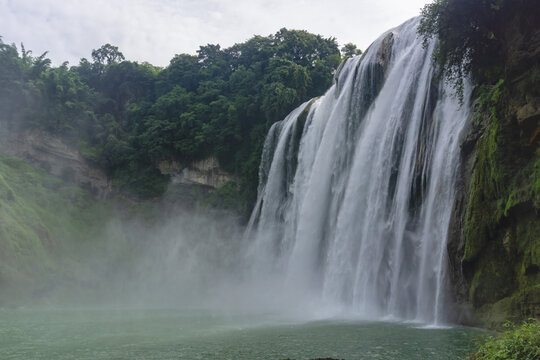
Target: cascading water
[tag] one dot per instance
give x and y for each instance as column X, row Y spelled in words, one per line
column 356, row 187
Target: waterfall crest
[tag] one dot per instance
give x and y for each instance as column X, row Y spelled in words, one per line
column 356, row 187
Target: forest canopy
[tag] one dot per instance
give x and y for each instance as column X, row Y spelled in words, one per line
column 127, row 116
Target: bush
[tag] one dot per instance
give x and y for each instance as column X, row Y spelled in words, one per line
column 516, row 343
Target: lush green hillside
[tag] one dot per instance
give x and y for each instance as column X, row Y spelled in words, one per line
column 45, row 224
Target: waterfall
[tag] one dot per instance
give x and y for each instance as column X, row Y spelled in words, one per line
column 356, row 187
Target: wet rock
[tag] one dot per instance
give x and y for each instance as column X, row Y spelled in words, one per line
column 384, row 53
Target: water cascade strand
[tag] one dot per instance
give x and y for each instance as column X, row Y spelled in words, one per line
column 357, row 187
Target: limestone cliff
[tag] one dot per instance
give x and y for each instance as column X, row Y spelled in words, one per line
column 205, row 172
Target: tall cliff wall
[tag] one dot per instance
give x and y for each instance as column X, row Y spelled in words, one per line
column 494, row 244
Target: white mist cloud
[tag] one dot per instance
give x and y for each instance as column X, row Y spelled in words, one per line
column 150, row 30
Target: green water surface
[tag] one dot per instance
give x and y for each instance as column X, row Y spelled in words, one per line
column 171, row 334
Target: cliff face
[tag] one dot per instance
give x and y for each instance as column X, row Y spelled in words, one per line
column 494, row 245
column 205, row 172
column 50, row 153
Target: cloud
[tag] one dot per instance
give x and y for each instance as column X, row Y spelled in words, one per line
column 154, row 31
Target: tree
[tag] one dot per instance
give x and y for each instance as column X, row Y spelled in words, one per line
column 350, row 50
column 183, row 70
column 107, row 55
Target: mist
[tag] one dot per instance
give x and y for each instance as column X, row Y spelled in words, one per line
column 192, row 259
column 186, row 259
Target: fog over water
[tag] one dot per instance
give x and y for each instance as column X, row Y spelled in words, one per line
column 190, row 261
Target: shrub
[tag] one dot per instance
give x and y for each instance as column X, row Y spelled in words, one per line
column 516, row 343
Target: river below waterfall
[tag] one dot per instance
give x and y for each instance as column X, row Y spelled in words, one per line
column 171, row 334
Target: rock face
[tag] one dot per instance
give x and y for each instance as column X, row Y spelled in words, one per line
column 206, row 172
column 50, row 153
column 494, row 243
column 384, row 54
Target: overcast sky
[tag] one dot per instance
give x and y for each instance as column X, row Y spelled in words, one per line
column 155, row 30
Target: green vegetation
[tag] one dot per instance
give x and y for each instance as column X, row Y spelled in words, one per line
column 125, row 116
column 42, row 220
column 521, row 343
column 487, row 178
column 225, row 197
column 472, row 35
column 350, row 49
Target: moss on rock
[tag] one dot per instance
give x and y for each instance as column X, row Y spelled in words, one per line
column 501, row 257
